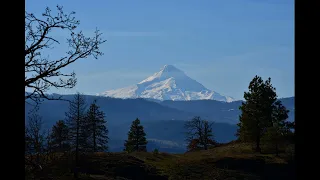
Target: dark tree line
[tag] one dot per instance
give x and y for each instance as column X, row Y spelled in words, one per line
column 84, row 130
column 87, row 128
column 43, row 73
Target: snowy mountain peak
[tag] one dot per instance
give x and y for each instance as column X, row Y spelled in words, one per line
column 170, row 83
column 170, row 68
column 166, row 72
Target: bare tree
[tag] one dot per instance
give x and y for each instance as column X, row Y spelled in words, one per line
column 49, row 149
column 76, row 122
column 42, row 73
column 199, row 133
column 34, row 140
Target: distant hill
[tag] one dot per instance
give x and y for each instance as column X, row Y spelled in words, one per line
column 220, row 111
column 163, row 120
column 117, row 111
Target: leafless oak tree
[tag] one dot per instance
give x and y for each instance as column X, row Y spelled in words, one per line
column 34, row 139
column 199, row 133
column 42, row 73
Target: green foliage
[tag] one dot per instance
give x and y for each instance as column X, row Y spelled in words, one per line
column 280, row 132
column 257, row 111
column 155, row 152
column 97, row 129
column 263, row 117
column 136, row 138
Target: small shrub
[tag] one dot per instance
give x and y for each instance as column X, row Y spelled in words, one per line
column 155, row 152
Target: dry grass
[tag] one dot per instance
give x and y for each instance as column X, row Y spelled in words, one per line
column 231, row 161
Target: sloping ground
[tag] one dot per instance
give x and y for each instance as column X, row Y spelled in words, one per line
column 232, row 161
column 103, row 166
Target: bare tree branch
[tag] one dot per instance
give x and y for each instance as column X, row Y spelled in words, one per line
column 41, row 72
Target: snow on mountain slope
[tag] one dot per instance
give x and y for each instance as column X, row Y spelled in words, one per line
column 169, row 83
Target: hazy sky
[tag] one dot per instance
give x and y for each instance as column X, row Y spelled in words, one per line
column 222, row 44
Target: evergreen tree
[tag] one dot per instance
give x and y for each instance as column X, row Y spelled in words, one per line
column 96, row 126
column 136, row 138
column 59, row 137
column 257, row 111
column 75, row 119
column 280, row 128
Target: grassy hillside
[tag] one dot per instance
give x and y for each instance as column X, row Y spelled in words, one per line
column 230, row 161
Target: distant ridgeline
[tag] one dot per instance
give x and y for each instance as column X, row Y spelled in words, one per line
column 163, row 120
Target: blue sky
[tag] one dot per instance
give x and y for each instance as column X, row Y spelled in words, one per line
column 222, row 44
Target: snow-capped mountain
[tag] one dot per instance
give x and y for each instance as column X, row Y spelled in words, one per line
column 169, row 83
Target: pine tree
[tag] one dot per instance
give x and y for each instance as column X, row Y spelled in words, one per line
column 96, row 126
column 75, row 119
column 257, row 110
column 136, row 138
column 280, row 129
column 59, row 136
